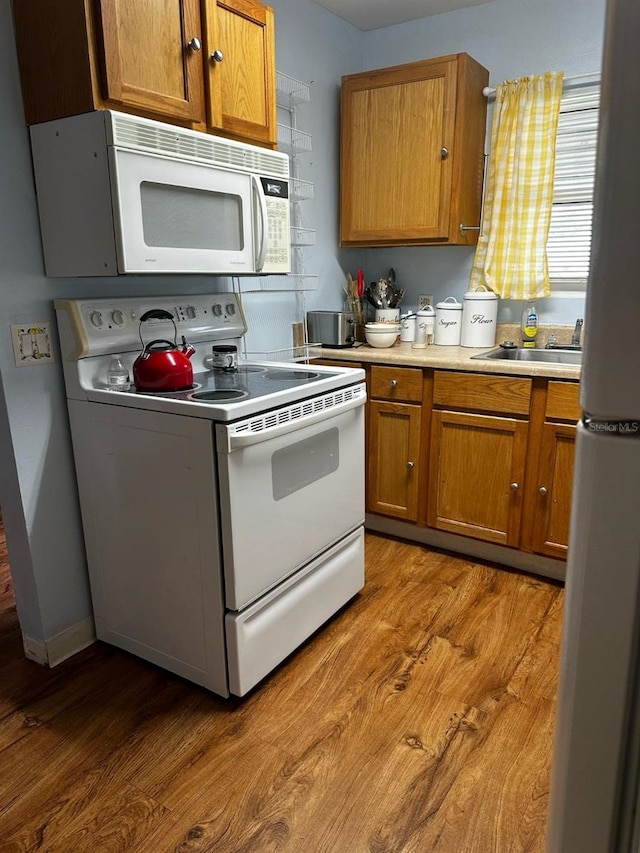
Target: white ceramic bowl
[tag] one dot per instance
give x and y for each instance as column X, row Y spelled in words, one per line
column 381, row 334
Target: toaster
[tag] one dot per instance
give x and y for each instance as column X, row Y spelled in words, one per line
column 331, row 328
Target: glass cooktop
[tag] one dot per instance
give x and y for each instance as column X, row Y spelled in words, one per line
column 247, row 382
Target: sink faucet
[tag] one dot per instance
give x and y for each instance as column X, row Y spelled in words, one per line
column 575, row 338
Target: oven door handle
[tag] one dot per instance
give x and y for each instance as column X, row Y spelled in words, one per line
column 235, row 440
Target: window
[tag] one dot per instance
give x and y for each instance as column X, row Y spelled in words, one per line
column 569, row 243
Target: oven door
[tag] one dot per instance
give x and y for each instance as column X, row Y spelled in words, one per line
column 291, row 485
column 183, row 217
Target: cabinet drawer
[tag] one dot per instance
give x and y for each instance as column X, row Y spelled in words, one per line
column 396, row 383
column 332, row 362
column 476, row 392
column 563, row 401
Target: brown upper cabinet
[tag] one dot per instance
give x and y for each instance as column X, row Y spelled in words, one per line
column 241, row 75
column 208, row 65
column 412, row 153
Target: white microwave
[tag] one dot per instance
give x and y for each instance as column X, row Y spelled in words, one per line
column 123, row 194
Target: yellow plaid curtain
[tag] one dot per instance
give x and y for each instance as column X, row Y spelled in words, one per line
column 511, row 256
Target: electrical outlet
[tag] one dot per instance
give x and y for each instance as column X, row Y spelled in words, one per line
column 425, row 300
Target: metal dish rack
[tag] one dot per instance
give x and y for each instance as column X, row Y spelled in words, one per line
column 287, row 317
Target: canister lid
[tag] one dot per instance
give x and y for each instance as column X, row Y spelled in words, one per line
column 485, row 293
column 451, row 303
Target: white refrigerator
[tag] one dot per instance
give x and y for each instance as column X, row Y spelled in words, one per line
column 596, row 766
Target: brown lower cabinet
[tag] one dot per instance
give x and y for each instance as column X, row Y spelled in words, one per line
column 501, row 459
column 394, row 459
column 552, row 487
column 477, row 471
column 394, row 456
column 486, row 456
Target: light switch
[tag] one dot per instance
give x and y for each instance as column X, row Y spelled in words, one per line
column 32, row 344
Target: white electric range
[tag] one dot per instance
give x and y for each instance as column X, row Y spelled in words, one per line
column 223, row 524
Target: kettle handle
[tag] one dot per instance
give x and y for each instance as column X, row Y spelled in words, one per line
column 156, row 314
column 147, row 349
column 160, row 341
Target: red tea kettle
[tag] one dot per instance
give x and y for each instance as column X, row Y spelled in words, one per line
column 163, row 365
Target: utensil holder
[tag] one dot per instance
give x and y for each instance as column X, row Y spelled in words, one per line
column 387, row 315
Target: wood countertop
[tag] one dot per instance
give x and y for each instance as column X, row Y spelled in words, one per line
column 445, row 358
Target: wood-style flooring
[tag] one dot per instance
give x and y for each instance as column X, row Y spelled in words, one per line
column 419, row 719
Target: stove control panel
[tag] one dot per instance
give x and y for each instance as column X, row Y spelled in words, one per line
column 98, row 326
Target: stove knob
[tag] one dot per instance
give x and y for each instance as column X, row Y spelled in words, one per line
column 217, row 309
column 117, row 317
column 231, row 309
column 96, row 319
column 191, row 312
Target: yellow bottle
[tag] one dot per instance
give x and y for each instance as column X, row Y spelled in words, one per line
column 529, row 325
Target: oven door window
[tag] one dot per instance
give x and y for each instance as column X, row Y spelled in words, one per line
column 176, row 216
column 304, row 462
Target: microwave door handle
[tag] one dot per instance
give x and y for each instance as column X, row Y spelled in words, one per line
column 261, row 223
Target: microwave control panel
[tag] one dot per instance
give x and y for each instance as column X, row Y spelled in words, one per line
column 278, row 256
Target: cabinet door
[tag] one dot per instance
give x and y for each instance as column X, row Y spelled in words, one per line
column 554, row 490
column 476, row 475
column 240, row 68
column 394, row 464
column 148, row 61
column 395, row 179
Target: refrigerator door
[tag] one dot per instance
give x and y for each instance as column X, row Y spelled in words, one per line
column 612, row 347
column 596, row 753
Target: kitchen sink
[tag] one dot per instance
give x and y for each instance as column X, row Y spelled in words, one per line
column 541, row 356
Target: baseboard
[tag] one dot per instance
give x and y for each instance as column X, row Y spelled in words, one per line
column 61, row 646
column 533, row 563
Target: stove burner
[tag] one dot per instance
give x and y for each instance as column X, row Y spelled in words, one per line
column 219, row 396
column 193, row 387
column 292, row 375
column 250, row 368
column 241, row 368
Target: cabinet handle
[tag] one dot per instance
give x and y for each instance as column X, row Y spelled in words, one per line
column 410, row 465
column 514, row 487
column 195, row 44
column 444, row 153
column 393, row 383
column 217, row 56
column 543, row 490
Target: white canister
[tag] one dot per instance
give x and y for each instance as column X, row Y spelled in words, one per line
column 407, row 327
column 448, row 322
column 425, row 319
column 479, row 318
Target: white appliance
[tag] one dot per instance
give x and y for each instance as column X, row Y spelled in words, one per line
column 123, row 194
column 223, row 524
column 595, row 803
